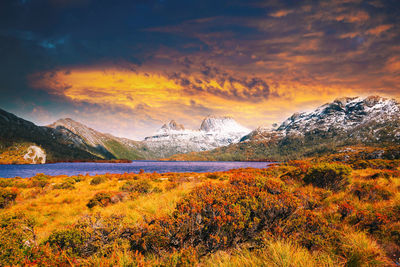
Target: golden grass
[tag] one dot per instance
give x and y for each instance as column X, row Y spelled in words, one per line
column 55, row 208
column 278, row 253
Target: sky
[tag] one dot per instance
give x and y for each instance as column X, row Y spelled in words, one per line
column 127, row 67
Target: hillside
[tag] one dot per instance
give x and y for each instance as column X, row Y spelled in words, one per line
column 103, row 145
column 373, row 121
column 18, row 135
column 340, row 210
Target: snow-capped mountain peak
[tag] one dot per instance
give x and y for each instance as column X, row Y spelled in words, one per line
column 214, row 132
column 222, row 124
column 171, row 126
column 342, row 113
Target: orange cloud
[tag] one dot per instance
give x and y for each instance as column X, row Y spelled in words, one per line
column 281, row 13
column 379, row 29
column 393, row 65
column 353, row 17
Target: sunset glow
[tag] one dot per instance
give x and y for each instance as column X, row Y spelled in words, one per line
column 258, row 62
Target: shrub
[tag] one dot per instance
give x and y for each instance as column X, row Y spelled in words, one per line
column 360, row 164
column 101, row 234
column 76, row 179
column 68, row 183
column 90, row 235
column 394, row 232
column 294, row 173
column 379, row 164
column 328, row 175
column 157, row 190
column 98, row 180
column 40, row 180
column 6, row 182
column 345, row 209
column 7, row 196
column 212, row 176
column 17, row 238
column 370, row 192
column 44, row 255
column 217, row 216
column 310, row 230
column 138, row 186
column 384, row 164
column 100, row 199
column 372, row 221
column 69, row 240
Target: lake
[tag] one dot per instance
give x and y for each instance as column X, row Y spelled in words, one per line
column 9, row 171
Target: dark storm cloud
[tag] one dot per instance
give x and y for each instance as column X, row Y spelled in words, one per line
column 338, row 42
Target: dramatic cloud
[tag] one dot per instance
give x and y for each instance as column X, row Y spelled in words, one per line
column 137, row 64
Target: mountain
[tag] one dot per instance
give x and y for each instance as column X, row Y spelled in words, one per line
column 24, row 142
column 214, row 132
column 346, row 121
column 344, row 114
column 172, row 126
column 371, row 121
column 103, row 145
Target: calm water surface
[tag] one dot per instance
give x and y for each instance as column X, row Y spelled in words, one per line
column 8, row 171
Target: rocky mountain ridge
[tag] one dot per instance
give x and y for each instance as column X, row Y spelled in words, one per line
column 101, row 144
column 342, row 113
column 213, row 132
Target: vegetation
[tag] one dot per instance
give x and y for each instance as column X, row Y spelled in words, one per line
column 328, row 175
column 326, row 211
column 7, row 196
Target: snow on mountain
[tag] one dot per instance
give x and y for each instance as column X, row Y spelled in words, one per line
column 370, row 121
column 343, row 114
column 214, row 132
column 225, row 125
column 172, row 126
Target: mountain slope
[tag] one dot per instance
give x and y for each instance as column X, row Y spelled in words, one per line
column 214, row 132
column 346, row 121
column 18, row 135
column 104, row 145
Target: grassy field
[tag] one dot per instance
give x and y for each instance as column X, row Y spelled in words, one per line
column 340, row 210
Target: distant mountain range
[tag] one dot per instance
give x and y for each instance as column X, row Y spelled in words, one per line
column 214, row 132
column 346, row 121
column 68, row 140
column 372, row 121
